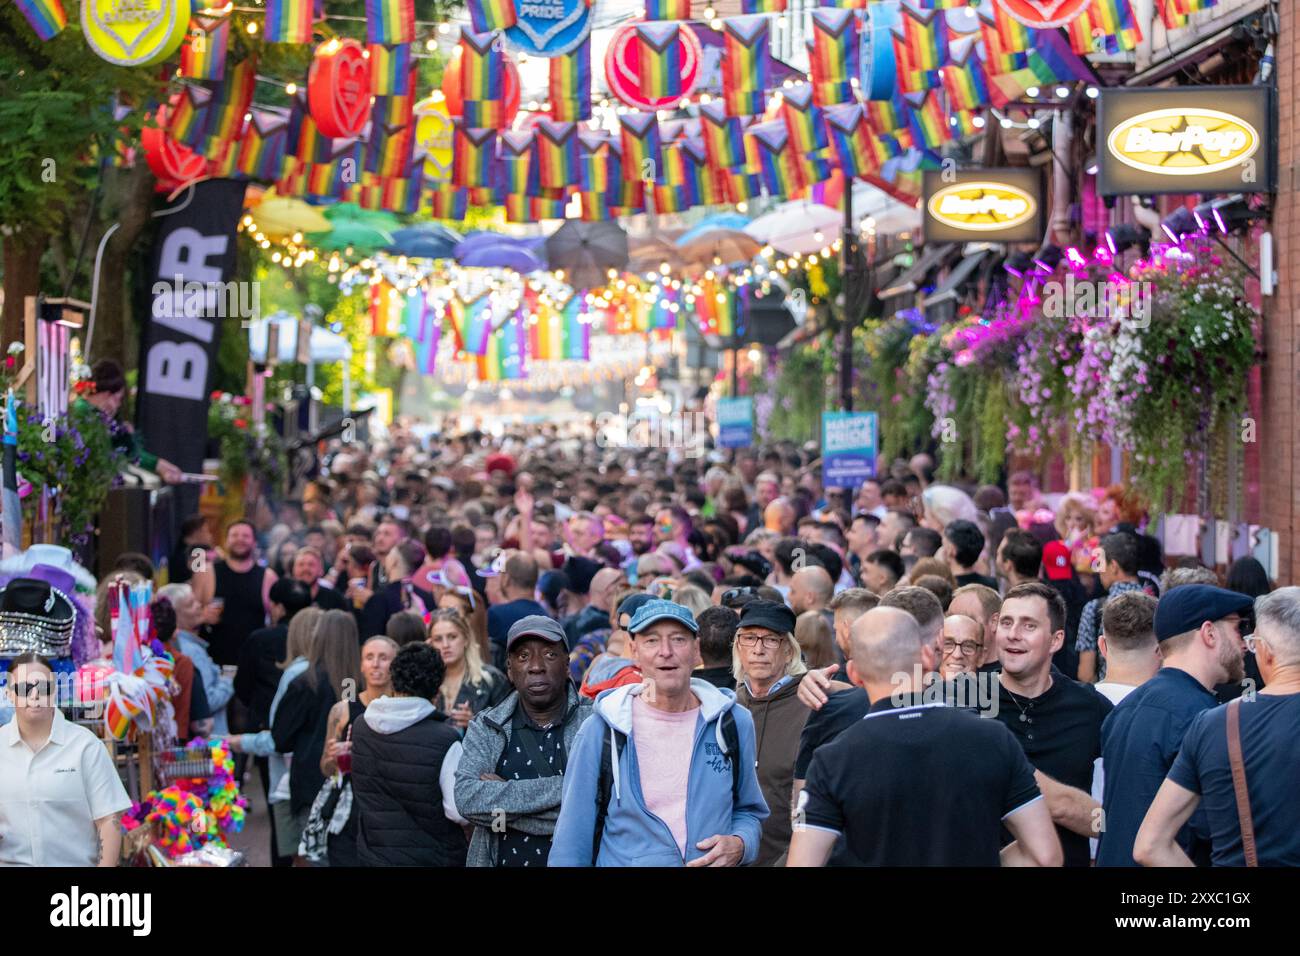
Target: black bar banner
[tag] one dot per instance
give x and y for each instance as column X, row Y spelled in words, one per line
column 191, row 292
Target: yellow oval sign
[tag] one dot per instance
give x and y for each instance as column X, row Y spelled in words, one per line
column 1183, row 142
column 982, row 207
column 135, row 32
column 433, row 134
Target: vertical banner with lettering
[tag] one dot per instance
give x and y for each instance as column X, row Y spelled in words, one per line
column 848, row 449
column 735, row 422
column 190, row 292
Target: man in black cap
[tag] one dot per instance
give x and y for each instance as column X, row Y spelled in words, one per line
column 768, row 667
column 511, row 772
column 591, row 592
column 1198, row 628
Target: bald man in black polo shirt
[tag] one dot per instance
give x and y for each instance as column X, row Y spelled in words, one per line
column 916, row 784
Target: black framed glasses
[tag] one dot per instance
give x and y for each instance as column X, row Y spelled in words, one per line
column 770, row 641
column 965, row 648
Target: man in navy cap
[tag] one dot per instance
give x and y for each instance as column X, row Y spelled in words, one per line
column 1198, row 628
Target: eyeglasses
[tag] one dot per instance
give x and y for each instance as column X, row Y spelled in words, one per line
column 770, row 641
column 1252, row 640
column 965, row 648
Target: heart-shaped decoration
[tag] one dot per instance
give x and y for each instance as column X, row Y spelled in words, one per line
column 171, row 162
column 1044, row 14
column 135, row 32
column 338, row 88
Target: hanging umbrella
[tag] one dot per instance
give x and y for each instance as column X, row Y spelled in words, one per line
column 351, row 212
column 432, row 229
column 721, row 220
column 725, row 245
column 283, row 216
column 587, row 251
column 797, row 226
column 648, row 253
column 504, row 255
column 428, row 240
column 361, row 237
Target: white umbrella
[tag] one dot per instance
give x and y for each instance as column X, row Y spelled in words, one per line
column 801, row 226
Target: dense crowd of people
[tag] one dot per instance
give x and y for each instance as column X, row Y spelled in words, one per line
column 529, row 649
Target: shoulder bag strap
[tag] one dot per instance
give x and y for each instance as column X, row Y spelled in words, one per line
column 1239, row 783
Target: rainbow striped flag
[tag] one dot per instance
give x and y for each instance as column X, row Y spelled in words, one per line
column 293, row 179
column 965, row 82
column 556, row 148
column 390, row 21
column 746, row 64
column 723, row 139
column 768, row 152
column 47, row 17
column 667, row 9
column 401, row 194
column 191, row 115
column 850, row 136
column 390, row 150
column 659, row 59
column 324, row 180
column 288, row 21
column 576, row 330
column 570, row 84
column 927, row 120
column 482, row 66
column 391, row 72
column 741, row 186
column 748, row 7
column 447, row 202
column 506, row 358
column 1175, row 13
column 226, row 166
column 642, row 148
column 1112, row 22
column 595, row 206
column 203, row 54
column 920, row 47
column 262, row 148
column 230, row 105
column 545, row 334
column 885, row 116
column 386, row 305
column 423, row 327
column 597, row 166
column 518, row 171
column 834, row 52
column 488, row 15
column 393, row 111
column 803, row 118
column 963, row 122
column 474, row 156
column 471, row 323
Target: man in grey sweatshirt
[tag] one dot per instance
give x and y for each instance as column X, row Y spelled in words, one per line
column 511, row 773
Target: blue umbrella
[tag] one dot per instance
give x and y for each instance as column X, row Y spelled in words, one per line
column 422, row 246
column 503, row 255
column 722, row 220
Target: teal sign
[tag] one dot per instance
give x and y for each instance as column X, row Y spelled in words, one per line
column 848, row 448
column 735, row 422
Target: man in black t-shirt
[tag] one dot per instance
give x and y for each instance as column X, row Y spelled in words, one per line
column 1057, row 720
column 1268, row 730
column 913, row 783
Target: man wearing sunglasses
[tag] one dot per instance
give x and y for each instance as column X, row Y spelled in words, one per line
column 60, row 796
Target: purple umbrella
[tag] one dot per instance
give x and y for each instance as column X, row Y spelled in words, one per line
column 503, row 255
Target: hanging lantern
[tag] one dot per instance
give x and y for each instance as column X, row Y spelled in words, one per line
column 338, row 88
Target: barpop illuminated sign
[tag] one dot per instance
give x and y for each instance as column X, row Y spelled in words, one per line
column 999, row 205
column 1190, row 140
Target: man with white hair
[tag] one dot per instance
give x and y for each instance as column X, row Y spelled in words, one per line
column 768, row 666
column 1239, row 760
column 189, row 616
column 918, row 785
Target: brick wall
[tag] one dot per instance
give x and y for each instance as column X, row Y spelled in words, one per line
column 1280, row 493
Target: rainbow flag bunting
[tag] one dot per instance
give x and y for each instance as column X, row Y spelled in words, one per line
column 570, row 84
column 965, row 82
column 482, row 77
column 518, row 171
column 505, row 359
column 642, row 149
column 723, row 137
column 576, row 330
column 447, row 202
column 746, row 64
column 598, row 164
column 47, row 17
column 556, row 147
column 203, row 54
column 390, row 21
column 850, row 136
column 963, row 122
column 769, row 154
column 401, row 194
column 595, row 206
column 324, row 180
column 423, row 327
column 667, row 9
column 393, row 111
column 474, row 156
column 288, row 21
column 391, row 72
column 834, row 45
column 488, row 15
column 191, row 115
column 390, row 150
column 230, row 105
column 471, row 324
column 927, row 119
column 226, row 166
column 885, row 116
column 920, row 47
column 741, row 186
column 1107, row 24
column 659, row 59
column 262, row 148
column 803, row 118
column 748, row 7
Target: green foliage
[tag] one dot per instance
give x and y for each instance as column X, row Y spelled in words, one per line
column 246, row 449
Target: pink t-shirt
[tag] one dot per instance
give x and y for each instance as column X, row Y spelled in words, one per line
column 664, row 743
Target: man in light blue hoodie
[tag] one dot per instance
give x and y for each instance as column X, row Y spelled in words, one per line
column 662, row 774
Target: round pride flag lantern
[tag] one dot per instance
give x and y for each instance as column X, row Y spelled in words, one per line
column 135, row 32
column 338, row 88
column 623, row 69
column 1044, row 14
column 452, row 89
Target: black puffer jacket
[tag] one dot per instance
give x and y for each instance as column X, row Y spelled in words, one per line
column 398, row 750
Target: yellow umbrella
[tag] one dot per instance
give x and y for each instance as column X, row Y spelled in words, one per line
column 283, row 216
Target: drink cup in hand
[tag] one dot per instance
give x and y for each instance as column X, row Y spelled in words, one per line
column 343, row 756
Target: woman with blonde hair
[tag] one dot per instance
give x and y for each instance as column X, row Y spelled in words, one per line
column 1076, row 524
column 469, row 685
column 474, row 609
column 693, row 599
